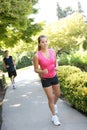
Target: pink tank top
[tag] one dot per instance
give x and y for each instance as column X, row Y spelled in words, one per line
column 47, row 63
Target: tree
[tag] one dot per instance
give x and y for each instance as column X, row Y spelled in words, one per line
column 79, row 10
column 15, row 23
column 68, row 34
column 68, row 11
column 61, row 13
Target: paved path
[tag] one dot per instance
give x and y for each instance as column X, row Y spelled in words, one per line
column 26, row 108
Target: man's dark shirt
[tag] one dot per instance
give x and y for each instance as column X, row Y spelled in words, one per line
column 9, row 62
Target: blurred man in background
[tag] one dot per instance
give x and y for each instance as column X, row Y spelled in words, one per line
column 10, row 66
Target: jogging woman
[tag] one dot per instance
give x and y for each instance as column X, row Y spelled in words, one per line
column 46, row 59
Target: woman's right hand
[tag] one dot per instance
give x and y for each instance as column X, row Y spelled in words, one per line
column 45, row 71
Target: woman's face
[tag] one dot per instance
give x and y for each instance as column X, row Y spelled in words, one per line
column 43, row 43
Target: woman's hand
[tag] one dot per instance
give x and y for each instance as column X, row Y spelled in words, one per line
column 56, row 68
column 45, row 71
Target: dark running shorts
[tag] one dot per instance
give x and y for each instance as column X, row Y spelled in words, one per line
column 12, row 73
column 46, row 82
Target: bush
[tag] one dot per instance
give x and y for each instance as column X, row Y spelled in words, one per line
column 64, row 72
column 24, row 62
column 63, row 59
column 78, row 59
column 75, row 60
column 76, row 90
column 74, row 86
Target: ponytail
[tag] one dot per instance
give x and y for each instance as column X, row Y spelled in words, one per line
column 39, row 48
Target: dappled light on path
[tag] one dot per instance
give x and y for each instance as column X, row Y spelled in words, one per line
column 25, row 108
column 15, row 105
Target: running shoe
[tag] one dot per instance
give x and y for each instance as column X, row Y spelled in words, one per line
column 55, row 120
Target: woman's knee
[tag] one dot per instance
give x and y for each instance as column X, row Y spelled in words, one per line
column 57, row 94
column 57, row 91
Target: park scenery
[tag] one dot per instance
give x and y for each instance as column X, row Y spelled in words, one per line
column 67, row 36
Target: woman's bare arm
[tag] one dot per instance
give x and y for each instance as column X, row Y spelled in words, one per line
column 36, row 66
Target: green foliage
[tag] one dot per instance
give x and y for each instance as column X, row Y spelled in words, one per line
column 30, row 31
column 74, row 86
column 79, row 7
column 61, row 13
column 68, row 33
column 78, row 59
column 24, row 62
column 14, row 12
column 63, row 59
column 64, row 72
column 15, row 23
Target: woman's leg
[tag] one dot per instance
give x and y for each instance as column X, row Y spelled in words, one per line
column 56, row 90
column 50, row 96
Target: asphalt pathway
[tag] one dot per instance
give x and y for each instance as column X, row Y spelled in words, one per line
column 25, row 108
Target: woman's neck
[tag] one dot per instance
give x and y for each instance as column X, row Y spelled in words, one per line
column 44, row 50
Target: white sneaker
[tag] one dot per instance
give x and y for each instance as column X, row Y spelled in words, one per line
column 56, row 108
column 14, row 87
column 55, row 120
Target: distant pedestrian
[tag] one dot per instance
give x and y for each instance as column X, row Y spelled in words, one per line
column 46, row 59
column 10, row 66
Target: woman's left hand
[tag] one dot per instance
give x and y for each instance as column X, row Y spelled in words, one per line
column 56, row 68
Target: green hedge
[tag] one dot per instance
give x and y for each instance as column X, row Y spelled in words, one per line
column 63, row 59
column 64, row 72
column 74, row 86
column 78, row 59
column 24, row 62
